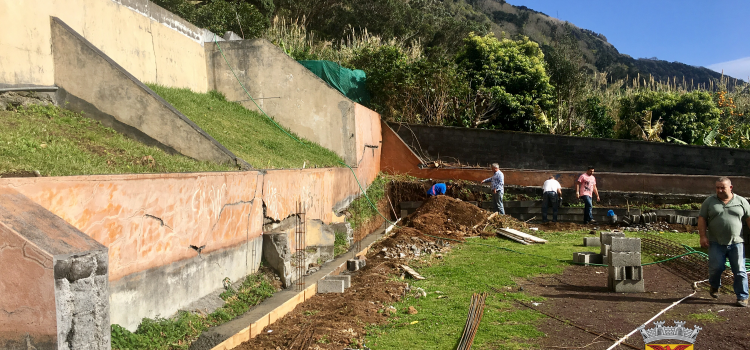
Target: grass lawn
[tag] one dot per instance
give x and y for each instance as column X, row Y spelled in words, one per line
column 58, row 142
column 248, row 134
column 474, row 267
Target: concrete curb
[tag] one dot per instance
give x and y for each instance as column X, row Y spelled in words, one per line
column 248, row 326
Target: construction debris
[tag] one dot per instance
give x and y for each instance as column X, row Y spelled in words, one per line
column 412, row 273
column 519, row 236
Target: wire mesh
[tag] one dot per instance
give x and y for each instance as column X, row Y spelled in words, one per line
column 693, row 267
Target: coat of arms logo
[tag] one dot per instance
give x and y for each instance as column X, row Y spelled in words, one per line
column 676, row 332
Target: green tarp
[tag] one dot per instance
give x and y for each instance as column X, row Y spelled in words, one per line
column 349, row 82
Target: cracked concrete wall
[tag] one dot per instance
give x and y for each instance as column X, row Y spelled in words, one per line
column 56, row 294
column 149, row 222
column 149, row 42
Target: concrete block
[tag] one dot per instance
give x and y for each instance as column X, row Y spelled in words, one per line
column 330, row 286
column 694, row 221
column 606, row 237
column 622, row 273
column 672, row 219
column 627, row 286
column 591, row 241
column 625, row 244
column 636, row 219
column 346, row 278
column 604, row 250
column 355, row 264
column 623, row 259
column 587, row 258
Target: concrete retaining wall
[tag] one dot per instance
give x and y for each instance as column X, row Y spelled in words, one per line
column 152, row 44
column 53, row 281
column 398, row 158
column 92, row 83
column 287, row 91
column 149, row 222
column 517, row 150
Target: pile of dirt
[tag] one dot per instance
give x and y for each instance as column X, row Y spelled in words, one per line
column 448, row 217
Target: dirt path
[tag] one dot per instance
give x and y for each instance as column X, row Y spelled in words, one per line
column 580, row 295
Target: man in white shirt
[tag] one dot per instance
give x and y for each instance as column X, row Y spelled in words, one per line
column 552, row 192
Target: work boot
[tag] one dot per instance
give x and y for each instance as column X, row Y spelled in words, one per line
column 714, row 292
column 742, row 303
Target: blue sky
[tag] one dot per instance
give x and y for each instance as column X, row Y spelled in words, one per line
column 711, row 33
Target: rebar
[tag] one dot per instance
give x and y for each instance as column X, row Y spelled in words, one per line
column 691, row 267
column 300, row 246
column 476, row 310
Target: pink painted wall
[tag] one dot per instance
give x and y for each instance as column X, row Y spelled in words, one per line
column 27, row 290
column 150, row 220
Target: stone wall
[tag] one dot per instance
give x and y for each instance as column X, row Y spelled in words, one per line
column 517, row 150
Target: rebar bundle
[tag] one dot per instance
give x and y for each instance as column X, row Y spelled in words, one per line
column 693, row 267
column 476, row 310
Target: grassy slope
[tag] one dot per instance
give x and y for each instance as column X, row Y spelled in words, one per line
column 58, row 142
column 248, row 134
column 473, row 268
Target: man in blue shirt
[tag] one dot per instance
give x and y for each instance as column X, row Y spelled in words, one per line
column 498, row 187
column 439, row 188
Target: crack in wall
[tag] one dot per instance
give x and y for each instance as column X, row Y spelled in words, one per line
column 157, row 219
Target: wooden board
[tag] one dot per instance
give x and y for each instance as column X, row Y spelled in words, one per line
column 522, row 235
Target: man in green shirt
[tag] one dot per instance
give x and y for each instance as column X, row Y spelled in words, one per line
column 723, row 214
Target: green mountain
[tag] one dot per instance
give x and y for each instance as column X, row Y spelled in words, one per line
column 514, row 20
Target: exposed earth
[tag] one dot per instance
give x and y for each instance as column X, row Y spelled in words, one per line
column 578, row 295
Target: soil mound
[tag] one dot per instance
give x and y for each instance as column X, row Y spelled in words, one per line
column 447, row 217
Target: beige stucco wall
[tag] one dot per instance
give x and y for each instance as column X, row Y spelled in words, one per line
column 150, row 43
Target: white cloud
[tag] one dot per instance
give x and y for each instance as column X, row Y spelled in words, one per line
column 739, row 68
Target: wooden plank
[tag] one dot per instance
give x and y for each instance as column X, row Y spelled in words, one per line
column 507, row 235
column 523, row 235
column 411, row 272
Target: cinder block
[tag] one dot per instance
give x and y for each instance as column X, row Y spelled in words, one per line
column 330, row 286
column 623, row 273
column 587, row 258
column 626, row 286
column 355, row 264
column 636, row 219
column 591, row 241
column 672, row 219
column 694, row 221
column 606, row 237
column 623, row 258
column 604, row 250
column 625, row 244
column 346, row 278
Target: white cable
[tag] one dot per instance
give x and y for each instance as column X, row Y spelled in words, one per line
column 695, row 290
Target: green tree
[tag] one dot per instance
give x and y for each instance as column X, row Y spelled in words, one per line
column 220, row 16
column 511, row 74
column 567, row 71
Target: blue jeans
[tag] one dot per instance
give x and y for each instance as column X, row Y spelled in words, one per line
column 548, row 198
column 588, row 214
column 497, row 197
column 717, row 257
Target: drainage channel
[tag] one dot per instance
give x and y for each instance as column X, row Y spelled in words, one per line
column 233, row 333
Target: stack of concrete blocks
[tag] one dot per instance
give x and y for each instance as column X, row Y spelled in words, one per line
column 624, row 260
column 334, row 284
column 605, row 239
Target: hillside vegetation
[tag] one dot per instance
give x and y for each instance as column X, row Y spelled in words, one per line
column 488, row 64
column 248, row 134
column 56, row 142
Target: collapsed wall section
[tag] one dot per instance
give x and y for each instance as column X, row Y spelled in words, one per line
column 148, row 41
